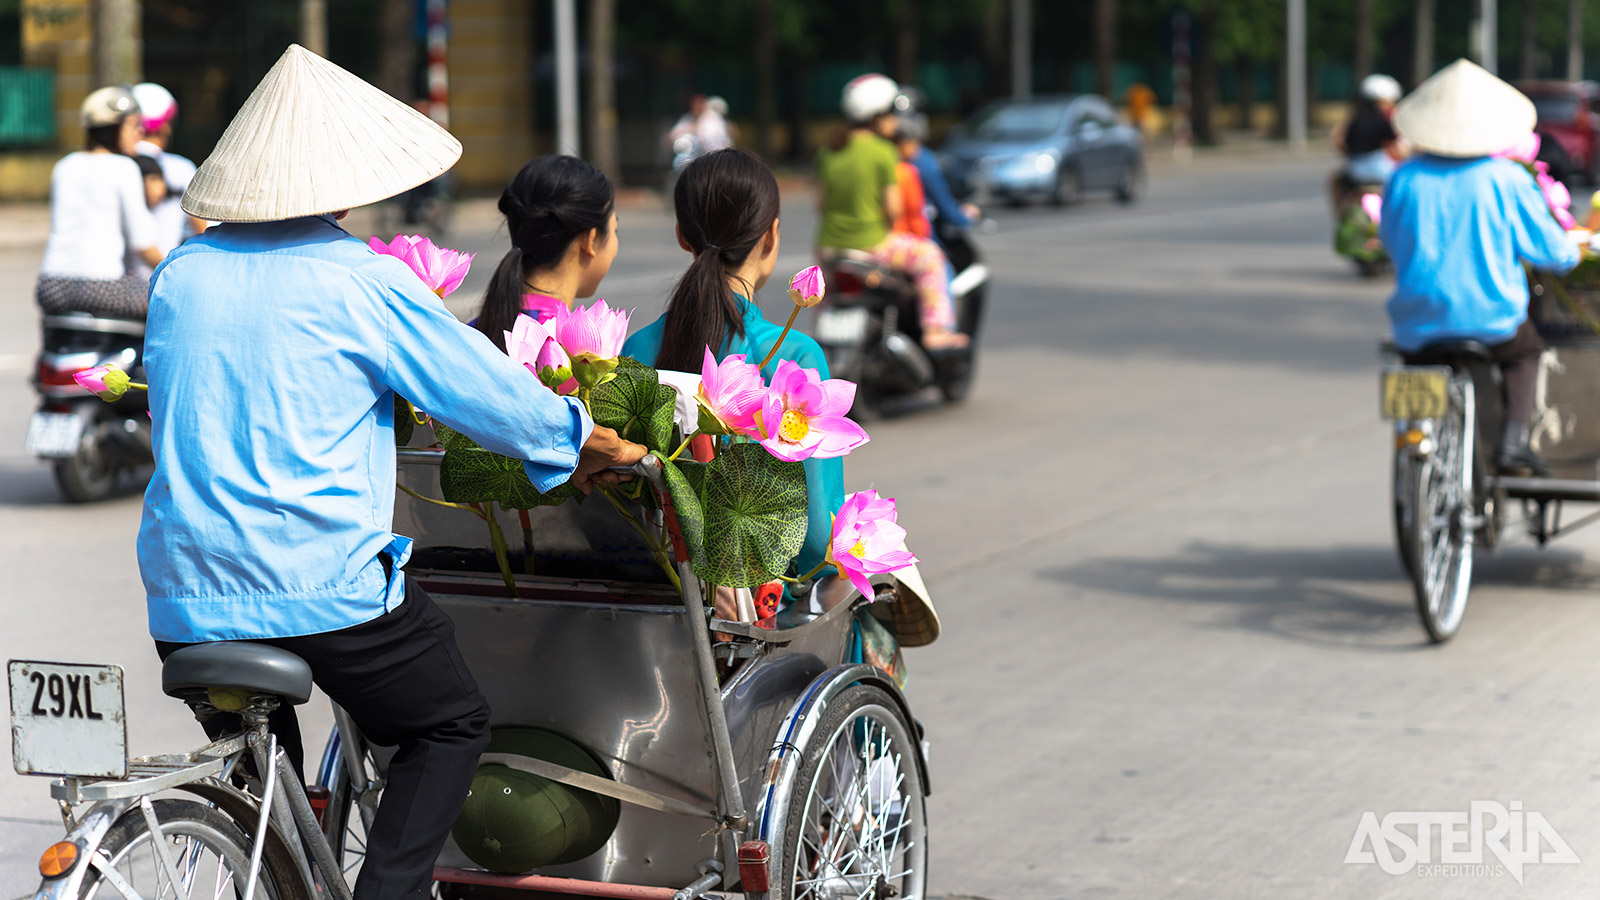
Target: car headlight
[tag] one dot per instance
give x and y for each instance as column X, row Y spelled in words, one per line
column 1044, row 163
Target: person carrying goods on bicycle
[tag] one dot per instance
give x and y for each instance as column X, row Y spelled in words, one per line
column 1459, row 224
column 860, row 200
column 276, row 345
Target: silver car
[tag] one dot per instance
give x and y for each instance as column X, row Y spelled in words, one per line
column 1054, row 148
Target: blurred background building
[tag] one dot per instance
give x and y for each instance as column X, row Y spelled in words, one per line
column 488, row 67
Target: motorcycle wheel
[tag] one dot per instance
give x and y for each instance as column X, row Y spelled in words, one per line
column 89, row 474
column 956, row 387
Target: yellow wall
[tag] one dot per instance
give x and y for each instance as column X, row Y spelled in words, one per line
column 58, row 34
column 490, row 61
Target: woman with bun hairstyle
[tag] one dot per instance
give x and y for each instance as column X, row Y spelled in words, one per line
column 727, row 208
column 561, row 215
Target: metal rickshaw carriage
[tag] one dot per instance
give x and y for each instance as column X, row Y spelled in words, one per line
column 750, row 757
column 1445, row 403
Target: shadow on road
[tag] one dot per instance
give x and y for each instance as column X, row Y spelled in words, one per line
column 1349, row 596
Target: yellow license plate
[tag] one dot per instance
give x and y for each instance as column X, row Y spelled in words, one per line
column 1416, row 392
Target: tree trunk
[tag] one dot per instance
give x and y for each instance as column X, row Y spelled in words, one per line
column 1247, row 92
column 603, row 88
column 1105, row 46
column 314, row 26
column 1574, row 40
column 1530, row 39
column 994, row 47
column 118, row 49
column 397, row 51
column 1205, row 74
column 1422, row 51
column 799, row 112
column 905, row 51
column 1363, row 49
column 766, row 69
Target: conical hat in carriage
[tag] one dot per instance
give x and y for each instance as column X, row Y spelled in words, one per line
column 312, row 139
column 1464, row 111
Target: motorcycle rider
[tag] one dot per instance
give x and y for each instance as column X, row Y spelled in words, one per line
column 1459, row 225
column 159, row 109
column 860, row 199
column 275, row 347
column 1368, row 141
column 99, row 215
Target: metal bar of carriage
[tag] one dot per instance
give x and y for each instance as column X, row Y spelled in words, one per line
column 1446, row 407
column 743, row 757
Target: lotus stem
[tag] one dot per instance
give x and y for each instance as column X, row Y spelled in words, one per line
column 427, row 499
column 136, row 386
column 774, row 351
column 497, row 539
column 682, row 447
column 655, row 546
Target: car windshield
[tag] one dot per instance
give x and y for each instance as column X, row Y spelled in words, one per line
column 1556, row 109
column 1020, row 122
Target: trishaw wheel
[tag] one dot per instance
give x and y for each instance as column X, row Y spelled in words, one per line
column 857, row 822
column 1442, row 491
column 211, row 852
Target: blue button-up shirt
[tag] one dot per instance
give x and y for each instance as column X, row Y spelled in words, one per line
column 824, row 477
column 1459, row 231
column 273, row 352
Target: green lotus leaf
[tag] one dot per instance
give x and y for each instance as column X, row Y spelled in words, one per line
column 471, row 474
column 686, row 502
column 636, row 405
column 755, row 516
column 404, row 425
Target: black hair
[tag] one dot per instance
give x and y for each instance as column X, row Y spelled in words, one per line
column 551, row 201
column 725, row 201
column 103, row 137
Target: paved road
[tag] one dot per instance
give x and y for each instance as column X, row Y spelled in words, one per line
column 1179, row 659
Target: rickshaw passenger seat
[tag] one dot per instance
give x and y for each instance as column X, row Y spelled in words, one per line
column 1443, row 353
column 258, row 668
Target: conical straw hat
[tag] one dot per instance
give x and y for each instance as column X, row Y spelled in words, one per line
column 314, row 139
column 1464, row 111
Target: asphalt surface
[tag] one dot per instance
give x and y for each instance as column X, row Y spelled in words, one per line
column 1179, row 659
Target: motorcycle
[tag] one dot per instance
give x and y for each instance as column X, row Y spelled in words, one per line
column 1355, row 232
column 89, row 443
column 870, row 329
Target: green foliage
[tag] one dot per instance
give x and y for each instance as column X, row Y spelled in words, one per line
column 404, row 425
column 684, row 484
column 471, row 474
column 755, row 516
column 636, row 405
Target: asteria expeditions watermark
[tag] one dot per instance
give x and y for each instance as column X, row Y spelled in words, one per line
column 1490, row 839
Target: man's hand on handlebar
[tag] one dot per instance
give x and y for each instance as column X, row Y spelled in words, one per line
column 600, row 452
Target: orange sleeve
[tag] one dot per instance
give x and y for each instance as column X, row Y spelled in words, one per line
column 913, row 203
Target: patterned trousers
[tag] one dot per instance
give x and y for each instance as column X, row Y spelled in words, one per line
column 924, row 261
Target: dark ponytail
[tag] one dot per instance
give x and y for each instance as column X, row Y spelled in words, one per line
column 547, row 205
column 725, row 203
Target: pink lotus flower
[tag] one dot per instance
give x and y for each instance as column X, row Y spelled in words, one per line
column 108, row 382
column 731, row 393
column 867, row 540
column 806, row 288
column 531, row 343
column 1557, row 196
column 1372, row 205
column 442, row 270
column 592, row 336
column 542, row 307
column 803, row 416
column 1525, row 150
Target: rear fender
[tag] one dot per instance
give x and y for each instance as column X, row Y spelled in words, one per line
column 87, row 834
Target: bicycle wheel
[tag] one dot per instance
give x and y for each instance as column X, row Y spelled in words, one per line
column 349, row 813
column 1442, row 491
column 209, row 853
column 857, row 824
column 1403, row 506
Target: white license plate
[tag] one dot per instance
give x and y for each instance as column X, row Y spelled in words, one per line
column 841, row 326
column 67, row 719
column 54, row 434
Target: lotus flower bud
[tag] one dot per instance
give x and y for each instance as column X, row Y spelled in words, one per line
column 806, row 288
column 108, row 382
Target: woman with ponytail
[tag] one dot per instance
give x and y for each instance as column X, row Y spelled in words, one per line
column 727, row 208
column 561, row 215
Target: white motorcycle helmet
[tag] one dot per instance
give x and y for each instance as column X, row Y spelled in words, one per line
column 867, row 97
column 1380, row 89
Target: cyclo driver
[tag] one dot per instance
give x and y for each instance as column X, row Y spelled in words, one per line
column 1459, row 223
column 276, row 345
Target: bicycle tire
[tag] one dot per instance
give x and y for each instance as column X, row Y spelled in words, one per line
column 851, row 720
column 1443, row 496
column 202, row 825
column 1402, row 504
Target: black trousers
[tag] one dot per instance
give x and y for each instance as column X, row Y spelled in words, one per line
column 402, row 679
column 1518, row 359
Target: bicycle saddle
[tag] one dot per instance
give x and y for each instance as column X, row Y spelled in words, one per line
column 1445, row 352
column 258, row 668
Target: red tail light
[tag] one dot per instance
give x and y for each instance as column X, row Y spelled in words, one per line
column 847, row 282
column 55, row 377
